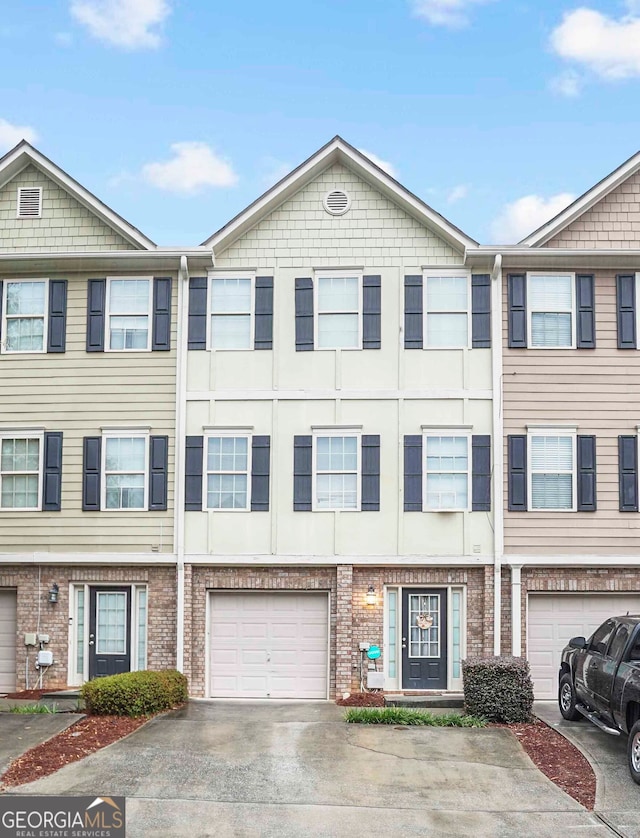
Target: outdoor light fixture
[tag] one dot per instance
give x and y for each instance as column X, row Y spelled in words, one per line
column 53, row 593
column 371, row 596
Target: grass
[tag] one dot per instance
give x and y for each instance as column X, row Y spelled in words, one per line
column 408, row 716
column 30, row 709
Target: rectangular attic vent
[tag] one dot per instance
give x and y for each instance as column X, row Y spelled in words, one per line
column 30, row 202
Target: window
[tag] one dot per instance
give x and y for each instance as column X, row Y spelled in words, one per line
column 336, row 472
column 128, row 307
column 550, row 304
column 446, row 311
column 446, row 472
column 339, row 310
column 231, row 312
column 125, row 460
column 619, row 642
column 227, row 472
column 20, row 472
column 24, row 307
column 601, row 637
column 552, row 460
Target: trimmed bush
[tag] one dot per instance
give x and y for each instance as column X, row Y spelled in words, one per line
column 408, row 716
column 135, row 693
column 498, row 689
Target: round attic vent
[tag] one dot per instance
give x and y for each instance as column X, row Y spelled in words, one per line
column 336, row 202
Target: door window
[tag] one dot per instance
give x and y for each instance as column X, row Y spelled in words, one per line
column 619, row 642
column 424, row 625
column 601, row 637
column 111, row 623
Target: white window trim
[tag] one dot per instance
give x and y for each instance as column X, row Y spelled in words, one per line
column 45, row 332
column 531, row 310
column 227, row 432
column 26, row 434
column 339, row 432
column 426, row 274
column 456, row 432
column 149, row 315
column 120, row 434
column 18, row 201
column 551, row 430
column 252, row 308
column 331, row 274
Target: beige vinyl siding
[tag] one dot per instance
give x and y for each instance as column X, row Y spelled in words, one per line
column 65, row 224
column 614, row 222
column 373, row 231
column 77, row 393
column 599, row 390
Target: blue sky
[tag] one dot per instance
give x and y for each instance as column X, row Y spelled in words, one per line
column 179, row 113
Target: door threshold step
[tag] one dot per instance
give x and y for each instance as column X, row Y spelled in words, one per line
column 438, row 700
column 595, row 718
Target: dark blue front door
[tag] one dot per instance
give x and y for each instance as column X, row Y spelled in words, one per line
column 424, row 638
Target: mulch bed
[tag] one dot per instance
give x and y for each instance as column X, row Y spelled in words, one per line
column 33, row 695
column 78, row 741
column 362, row 700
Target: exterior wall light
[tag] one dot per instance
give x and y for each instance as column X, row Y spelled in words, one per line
column 371, row 597
column 53, row 593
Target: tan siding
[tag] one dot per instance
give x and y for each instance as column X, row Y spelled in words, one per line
column 614, row 222
column 77, row 393
column 599, row 390
column 65, row 223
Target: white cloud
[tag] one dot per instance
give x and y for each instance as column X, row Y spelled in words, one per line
column 457, row 193
column 193, row 167
column 520, row 218
column 567, row 84
column 444, row 12
column 131, row 24
column 387, row 167
column 11, row 135
column 607, row 46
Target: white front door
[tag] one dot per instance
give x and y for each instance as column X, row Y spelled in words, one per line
column 268, row 645
column 7, row 641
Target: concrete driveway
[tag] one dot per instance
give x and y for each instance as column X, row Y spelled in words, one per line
column 292, row 770
column 20, row 732
column 617, row 796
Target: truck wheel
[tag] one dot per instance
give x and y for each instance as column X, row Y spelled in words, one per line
column 567, row 700
column 633, row 752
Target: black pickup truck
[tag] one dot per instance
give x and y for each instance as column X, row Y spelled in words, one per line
column 600, row 679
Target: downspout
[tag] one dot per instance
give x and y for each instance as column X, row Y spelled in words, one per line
column 181, row 411
column 498, row 448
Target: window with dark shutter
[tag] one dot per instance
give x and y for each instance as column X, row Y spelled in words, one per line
column 57, row 333
column 586, row 446
column 260, row 466
column 52, row 472
column 304, row 314
column 517, row 304
column 371, row 312
column 370, row 500
column 585, row 311
column 161, row 333
column 302, row 473
column 481, row 311
column 92, row 454
column 158, row 472
column 626, row 305
column 517, row 482
column 197, row 318
column 628, row 473
column 413, row 312
column 413, row 471
column 193, row 473
column 481, row 473
column 263, row 338
column 96, row 300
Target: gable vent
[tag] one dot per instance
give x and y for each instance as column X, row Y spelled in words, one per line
column 30, row 203
column 336, row 202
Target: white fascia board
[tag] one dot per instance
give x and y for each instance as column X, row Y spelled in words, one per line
column 141, row 560
column 337, row 150
column 525, row 258
column 571, row 562
column 24, row 154
column 160, row 259
column 583, row 203
column 332, row 561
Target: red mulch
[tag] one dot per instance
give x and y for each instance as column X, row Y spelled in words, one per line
column 362, row 700
column 78, row 741
column 35, row 695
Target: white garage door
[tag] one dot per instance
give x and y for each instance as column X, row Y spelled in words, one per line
column 7, row 641
column 268, row 645
column 553, row 619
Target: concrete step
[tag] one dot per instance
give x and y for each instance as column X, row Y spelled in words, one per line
column 63, row 700
column 426, row 700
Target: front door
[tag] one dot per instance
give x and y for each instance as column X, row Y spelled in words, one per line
column 109, row 631
column 424, row 639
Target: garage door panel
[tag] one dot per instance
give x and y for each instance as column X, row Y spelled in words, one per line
column 7, row 641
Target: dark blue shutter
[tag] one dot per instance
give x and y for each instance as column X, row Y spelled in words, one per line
column 481, row 311
column 585, row 311
column 586, row 462
column 96, row 299
column 52, row 477
column 481, row 473
column 57, row 331
column 193, row 473
column 626, row 299
column 371, row 473
column 517, row 451
column 302, row 473
column 260, row 465
column 304, row 315
column 197, row 338
column 264, row 313
column 161, row 334
column 158, row 472
column 413, row 471
column 413, row 325
column 517, row 302
column 628, row 473
column 371, row 312
column 92, row 455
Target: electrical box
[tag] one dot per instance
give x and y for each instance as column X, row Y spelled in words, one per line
column 29, row 638
column 364, row 646
column 45, row 658
column 375, row 680
column 43, row 638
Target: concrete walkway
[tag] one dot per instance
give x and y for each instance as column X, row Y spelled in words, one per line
column 293, row 770
column 18, row 733
column 617, row 796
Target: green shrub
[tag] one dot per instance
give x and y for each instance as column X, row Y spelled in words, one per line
column 498, row 689
column 135, row 693
column 408, row 716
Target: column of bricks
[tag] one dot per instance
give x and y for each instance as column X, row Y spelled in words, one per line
column 188, row 621
column 344, row 628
